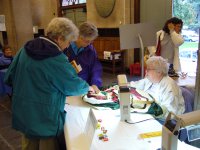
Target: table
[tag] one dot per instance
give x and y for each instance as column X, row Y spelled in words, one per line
column 189, row 81
column 115, row 62
column 122, row 136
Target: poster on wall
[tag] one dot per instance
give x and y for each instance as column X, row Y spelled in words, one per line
column 2, row 23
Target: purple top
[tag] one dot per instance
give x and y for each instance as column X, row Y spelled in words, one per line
column 87, row 58
column 5, row 62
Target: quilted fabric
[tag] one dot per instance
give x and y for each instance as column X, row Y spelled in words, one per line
column 140, row 101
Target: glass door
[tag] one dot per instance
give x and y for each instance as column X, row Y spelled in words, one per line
column 189, row 12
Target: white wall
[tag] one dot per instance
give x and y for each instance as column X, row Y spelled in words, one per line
column 155, row 11
column 22, row 22
column 43, row 11
column 120, row 14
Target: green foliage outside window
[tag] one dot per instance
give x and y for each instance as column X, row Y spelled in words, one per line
column 188, row 11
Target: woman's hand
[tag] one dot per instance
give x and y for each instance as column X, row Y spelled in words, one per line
column 95, row 89
column 91, row 90
column 171, row 26
column 131, row 84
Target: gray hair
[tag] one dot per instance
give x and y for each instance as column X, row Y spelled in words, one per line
column 159, row 64
column 88, row 30
column 63, row 27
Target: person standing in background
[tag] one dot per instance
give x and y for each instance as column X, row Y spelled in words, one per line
column 170, row 39
column 83, row 56
column 41, row 77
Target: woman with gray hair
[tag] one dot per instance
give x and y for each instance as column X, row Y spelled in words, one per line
column 42, row 77
column 162, row 87
column 83, row 56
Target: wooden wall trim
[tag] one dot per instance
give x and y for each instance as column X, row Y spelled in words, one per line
column 73, row 6
column 136, row 20
column 136, row 11
column 59, row 4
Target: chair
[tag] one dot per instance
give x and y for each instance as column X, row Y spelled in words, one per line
column 188, row 95
column 114, row 62
column 135, row 69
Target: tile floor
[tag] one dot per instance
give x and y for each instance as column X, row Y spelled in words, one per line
column 10, row 139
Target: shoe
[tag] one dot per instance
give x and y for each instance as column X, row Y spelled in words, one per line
column 9, row 95
column 172, row 73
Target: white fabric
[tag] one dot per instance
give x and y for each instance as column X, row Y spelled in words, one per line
column 168, row 96
column 106, row 93
column 93, row 100
column 122, row 136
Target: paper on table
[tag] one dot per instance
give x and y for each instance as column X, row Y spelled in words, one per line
column 150, row 134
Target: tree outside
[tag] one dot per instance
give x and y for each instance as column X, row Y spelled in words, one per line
column 189, row 12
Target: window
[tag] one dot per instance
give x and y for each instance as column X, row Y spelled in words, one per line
column 74, row 10
column 72, row 2
column 189, row 12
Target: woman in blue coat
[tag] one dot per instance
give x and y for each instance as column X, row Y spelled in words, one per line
column 42, row 77
column 83, row 56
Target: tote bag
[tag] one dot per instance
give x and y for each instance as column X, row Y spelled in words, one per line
column 158, row 48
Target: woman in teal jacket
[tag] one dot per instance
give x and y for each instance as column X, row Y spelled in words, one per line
column 42, row 77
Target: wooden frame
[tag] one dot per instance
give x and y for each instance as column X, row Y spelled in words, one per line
column 61, row 8
column 136, row 20
column 81, row 5
column 136, row 11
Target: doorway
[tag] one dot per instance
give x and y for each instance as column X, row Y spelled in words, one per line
column 189, row 12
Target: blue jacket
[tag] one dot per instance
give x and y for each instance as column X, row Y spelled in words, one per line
column 91, row 67
column 5, row 62
column 41, row 77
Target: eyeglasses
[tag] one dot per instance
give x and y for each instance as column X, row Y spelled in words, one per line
column 148, row 69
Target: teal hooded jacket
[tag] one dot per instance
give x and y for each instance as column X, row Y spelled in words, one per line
column 41, row 77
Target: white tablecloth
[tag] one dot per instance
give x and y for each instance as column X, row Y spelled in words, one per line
column 121, row 135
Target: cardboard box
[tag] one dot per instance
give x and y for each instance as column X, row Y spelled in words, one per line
column 108, row 55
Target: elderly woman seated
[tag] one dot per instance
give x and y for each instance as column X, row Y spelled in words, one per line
column 5, row 60
column 163, row 88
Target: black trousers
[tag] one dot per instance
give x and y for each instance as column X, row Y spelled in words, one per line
column 61, row 141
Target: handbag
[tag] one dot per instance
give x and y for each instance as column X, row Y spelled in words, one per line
column 143, row 102
column 155, row 109
column 158, row 48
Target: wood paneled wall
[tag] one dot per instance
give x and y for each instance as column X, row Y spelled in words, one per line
column 102, row 44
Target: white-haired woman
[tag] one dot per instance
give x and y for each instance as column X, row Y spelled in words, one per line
column 42, row 77
column 162, row 87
